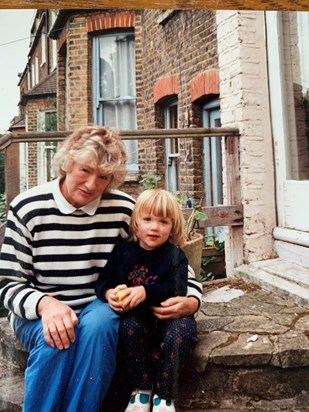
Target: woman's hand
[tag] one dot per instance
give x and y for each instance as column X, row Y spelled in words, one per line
column 58, row 322
column 176, row 307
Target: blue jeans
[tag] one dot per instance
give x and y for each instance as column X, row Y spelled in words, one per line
column 74, row 379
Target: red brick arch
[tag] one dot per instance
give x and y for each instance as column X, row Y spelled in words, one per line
column 106, row 21
column 167, row 86
column 204, row 84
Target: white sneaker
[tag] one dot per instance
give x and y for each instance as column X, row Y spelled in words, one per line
column 162, row 405
column 140, row 401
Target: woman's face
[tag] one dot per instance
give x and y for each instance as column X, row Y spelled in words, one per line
column 83, row 184
column 153, row 231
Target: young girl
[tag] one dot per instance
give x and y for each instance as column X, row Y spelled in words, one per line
column 143, row 273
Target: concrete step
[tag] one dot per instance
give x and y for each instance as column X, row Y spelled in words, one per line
column 286, row 279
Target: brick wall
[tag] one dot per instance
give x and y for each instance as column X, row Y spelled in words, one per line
column 173, row 55
column 179, row 53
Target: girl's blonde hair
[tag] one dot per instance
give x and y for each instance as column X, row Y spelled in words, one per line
column 159, row 202
column 100, row 147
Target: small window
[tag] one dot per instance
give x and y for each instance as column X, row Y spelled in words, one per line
column 213, row 166
column 43, row 49
column 47, row 122
column 171, row 147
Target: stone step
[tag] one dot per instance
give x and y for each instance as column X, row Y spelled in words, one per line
column 11, row 387
column 11, row 350
column 252, row 353
column 286, row 279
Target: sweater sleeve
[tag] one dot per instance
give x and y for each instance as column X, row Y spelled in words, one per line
column 16, row 270
column 194, row 287
column 108, row 277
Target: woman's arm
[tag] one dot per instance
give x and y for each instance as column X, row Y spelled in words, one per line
column 16, row 270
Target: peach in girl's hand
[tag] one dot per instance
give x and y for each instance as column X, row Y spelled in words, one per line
column 122, row 301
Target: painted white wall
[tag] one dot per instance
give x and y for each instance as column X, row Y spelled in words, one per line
column 244, row 104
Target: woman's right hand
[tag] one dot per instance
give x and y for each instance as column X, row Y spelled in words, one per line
column 58, row 322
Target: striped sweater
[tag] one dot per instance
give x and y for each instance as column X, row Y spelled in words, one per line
column 50, row 248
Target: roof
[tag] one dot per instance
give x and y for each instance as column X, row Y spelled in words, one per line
column 17, row 123
column 46, row 87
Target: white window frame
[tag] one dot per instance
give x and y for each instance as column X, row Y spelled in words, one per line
column 99, row 101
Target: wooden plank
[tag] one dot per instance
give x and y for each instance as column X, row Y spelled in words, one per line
column 234, row 234
column 12, row 175
column 220, row 216
column 300, row 5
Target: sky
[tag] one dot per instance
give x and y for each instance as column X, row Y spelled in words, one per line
column 15, row 25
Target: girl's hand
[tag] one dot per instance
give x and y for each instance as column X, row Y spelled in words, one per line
column 134, row 297
column 113, row 300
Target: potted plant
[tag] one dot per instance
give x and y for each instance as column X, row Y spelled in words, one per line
column 213, row 261
column 193, row 213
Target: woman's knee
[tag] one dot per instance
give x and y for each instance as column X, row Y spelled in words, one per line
column 98, row 320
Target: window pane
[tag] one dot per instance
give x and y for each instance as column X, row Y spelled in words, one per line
column 117, row 66
column 295, row 29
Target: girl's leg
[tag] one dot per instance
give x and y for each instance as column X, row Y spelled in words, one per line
column 179, row 340
column 135, row 352
column 48, row 370
column 95, row 358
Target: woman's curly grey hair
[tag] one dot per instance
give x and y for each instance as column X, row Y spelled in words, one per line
column 98, row 146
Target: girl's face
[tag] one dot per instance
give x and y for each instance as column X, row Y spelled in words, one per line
column 153, row 231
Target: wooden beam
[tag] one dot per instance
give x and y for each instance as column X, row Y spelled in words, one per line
column 296, row 5
column 219, row 216
column 12, row 175
column 189, row 133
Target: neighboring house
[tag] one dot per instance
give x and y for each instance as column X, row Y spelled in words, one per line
column 149, row 69
column 38, row 104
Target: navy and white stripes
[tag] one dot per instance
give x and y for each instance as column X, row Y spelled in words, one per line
column 48, row 251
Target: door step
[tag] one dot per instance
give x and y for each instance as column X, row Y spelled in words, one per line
column 286, row 279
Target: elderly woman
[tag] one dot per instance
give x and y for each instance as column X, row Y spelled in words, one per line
column 59, row 236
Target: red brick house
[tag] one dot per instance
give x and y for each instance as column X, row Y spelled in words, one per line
column 164, row 69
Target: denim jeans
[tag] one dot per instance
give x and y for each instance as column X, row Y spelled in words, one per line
column 74, row 379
